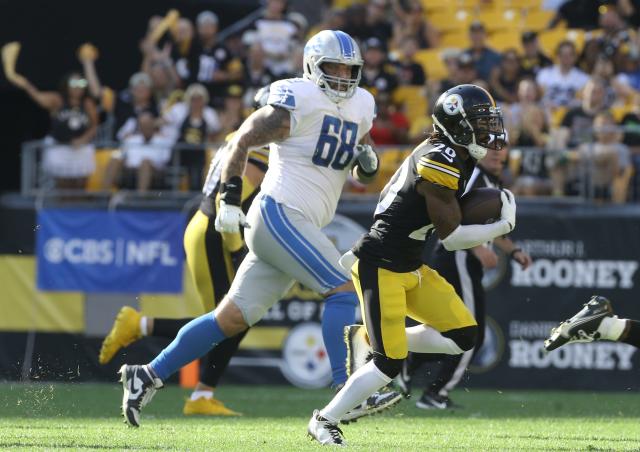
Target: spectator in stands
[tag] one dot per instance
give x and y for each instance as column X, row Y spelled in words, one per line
column 375, row 24
column 411, row 22
column 577, row 14
column 608, row 160
column 563, row 80
column 630, row 11
column 210, row 61
column 102, row 95
column 505, row 78
column 272, row 39
column 407, row 70
column 526, row 119
column 377, row 75
column 131, row 103
column 164, row 81
column 618, row 89
column 528, row 128
column 533, row 58
column 576, row 126
column 391, row 126
column 332, row 19
column 484, row 58
column 616, row 34
column 69, row 155
column 194, row 124
column 182, row 36
column 142, row 160
column 631, row 70
column 232, row 114
column 631, row 127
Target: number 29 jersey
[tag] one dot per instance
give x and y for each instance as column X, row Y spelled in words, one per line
column 308, row 169
column 401, row 220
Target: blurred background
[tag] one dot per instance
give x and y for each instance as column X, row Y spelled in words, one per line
column 114, row 109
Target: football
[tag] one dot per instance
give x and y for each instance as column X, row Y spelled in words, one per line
column 481, row 206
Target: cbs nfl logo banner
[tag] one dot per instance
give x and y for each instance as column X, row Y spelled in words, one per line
column 110, row 252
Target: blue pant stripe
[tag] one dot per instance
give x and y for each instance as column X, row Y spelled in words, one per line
column 321, row 264
column 267, row 212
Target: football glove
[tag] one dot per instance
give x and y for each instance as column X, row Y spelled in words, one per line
column 367, row 159
column 230, row 218
column 508, row 212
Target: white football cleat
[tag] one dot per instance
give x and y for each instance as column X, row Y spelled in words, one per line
column 325, row 432
column 139, row 384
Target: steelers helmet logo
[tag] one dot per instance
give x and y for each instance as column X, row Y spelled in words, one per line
column 453, row 104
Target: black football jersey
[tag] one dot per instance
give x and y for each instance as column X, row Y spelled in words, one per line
column 401, row 220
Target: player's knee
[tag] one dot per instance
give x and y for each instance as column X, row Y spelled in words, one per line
column 465, row 338
column 388, row 366
column 346, row 287
column 230, row 318
column 345, row 298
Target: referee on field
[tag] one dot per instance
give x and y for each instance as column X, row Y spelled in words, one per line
column 464, row 271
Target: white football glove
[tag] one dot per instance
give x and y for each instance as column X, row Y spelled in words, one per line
column 230, row 218
column 508, row 212
column 367, row 159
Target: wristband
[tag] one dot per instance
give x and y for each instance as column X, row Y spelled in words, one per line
column 513, row 252
column 231, row 191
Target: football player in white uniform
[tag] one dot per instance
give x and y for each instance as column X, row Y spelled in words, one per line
column 318, row 129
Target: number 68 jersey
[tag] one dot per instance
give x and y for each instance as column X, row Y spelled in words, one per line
column 308, row 169
column 402, row 224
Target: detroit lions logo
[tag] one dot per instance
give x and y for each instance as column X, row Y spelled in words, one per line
column 453, row 104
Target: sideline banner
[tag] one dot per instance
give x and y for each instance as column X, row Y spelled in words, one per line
column 575, row 257
column 98, row 251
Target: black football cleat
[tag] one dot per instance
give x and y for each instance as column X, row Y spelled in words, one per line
column 139, row 384
column 582, row 327
column 434, row 401
column 402, row 383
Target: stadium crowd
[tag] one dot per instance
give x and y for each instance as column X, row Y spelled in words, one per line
column 565, row 73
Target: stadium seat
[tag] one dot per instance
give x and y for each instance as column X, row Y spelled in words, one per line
column 498, row 20
column 414, row 100
column 445, row 21
column 431, row 6
column 390, row 160
column 103, row 156
column 619, row 112
column 550, row 39
column 503, row 40
column 537, row 20
column 431, row 61
column 458, row 39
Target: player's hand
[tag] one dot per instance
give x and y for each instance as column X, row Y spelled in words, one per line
column 230, row 218
column 367, row 159
column 487, row 257
column 508, row 212
column 522, row 258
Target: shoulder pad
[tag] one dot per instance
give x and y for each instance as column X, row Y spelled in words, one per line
column 439, row 166
column 282, row 95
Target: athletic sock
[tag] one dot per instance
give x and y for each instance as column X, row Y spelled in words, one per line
column 168, row 327
column 364, row 382
column 143, row 326
column 193, row 340
column 632, row 335
column 424, row 339
column 339, row 312
column 611, row 328
column 195, row 395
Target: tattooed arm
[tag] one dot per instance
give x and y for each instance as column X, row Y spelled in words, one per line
column 268, row 124
column 264, row 126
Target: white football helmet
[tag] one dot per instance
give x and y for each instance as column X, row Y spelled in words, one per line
column 333, row 46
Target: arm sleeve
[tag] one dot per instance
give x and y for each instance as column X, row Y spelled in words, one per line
column 468, row 236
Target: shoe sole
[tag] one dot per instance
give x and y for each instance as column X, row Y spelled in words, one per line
column 429, row 406
column 374, row 411
column 557, row 340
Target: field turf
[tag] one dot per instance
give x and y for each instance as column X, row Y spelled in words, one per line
column 86, row 417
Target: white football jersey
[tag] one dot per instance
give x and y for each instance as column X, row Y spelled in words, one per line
column 308, row 169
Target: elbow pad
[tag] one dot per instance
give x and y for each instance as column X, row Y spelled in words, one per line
column 468, row 236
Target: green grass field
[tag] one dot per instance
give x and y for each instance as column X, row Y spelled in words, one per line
column 86, row 417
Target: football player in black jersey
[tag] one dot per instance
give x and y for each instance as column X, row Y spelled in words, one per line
column 390, row 278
